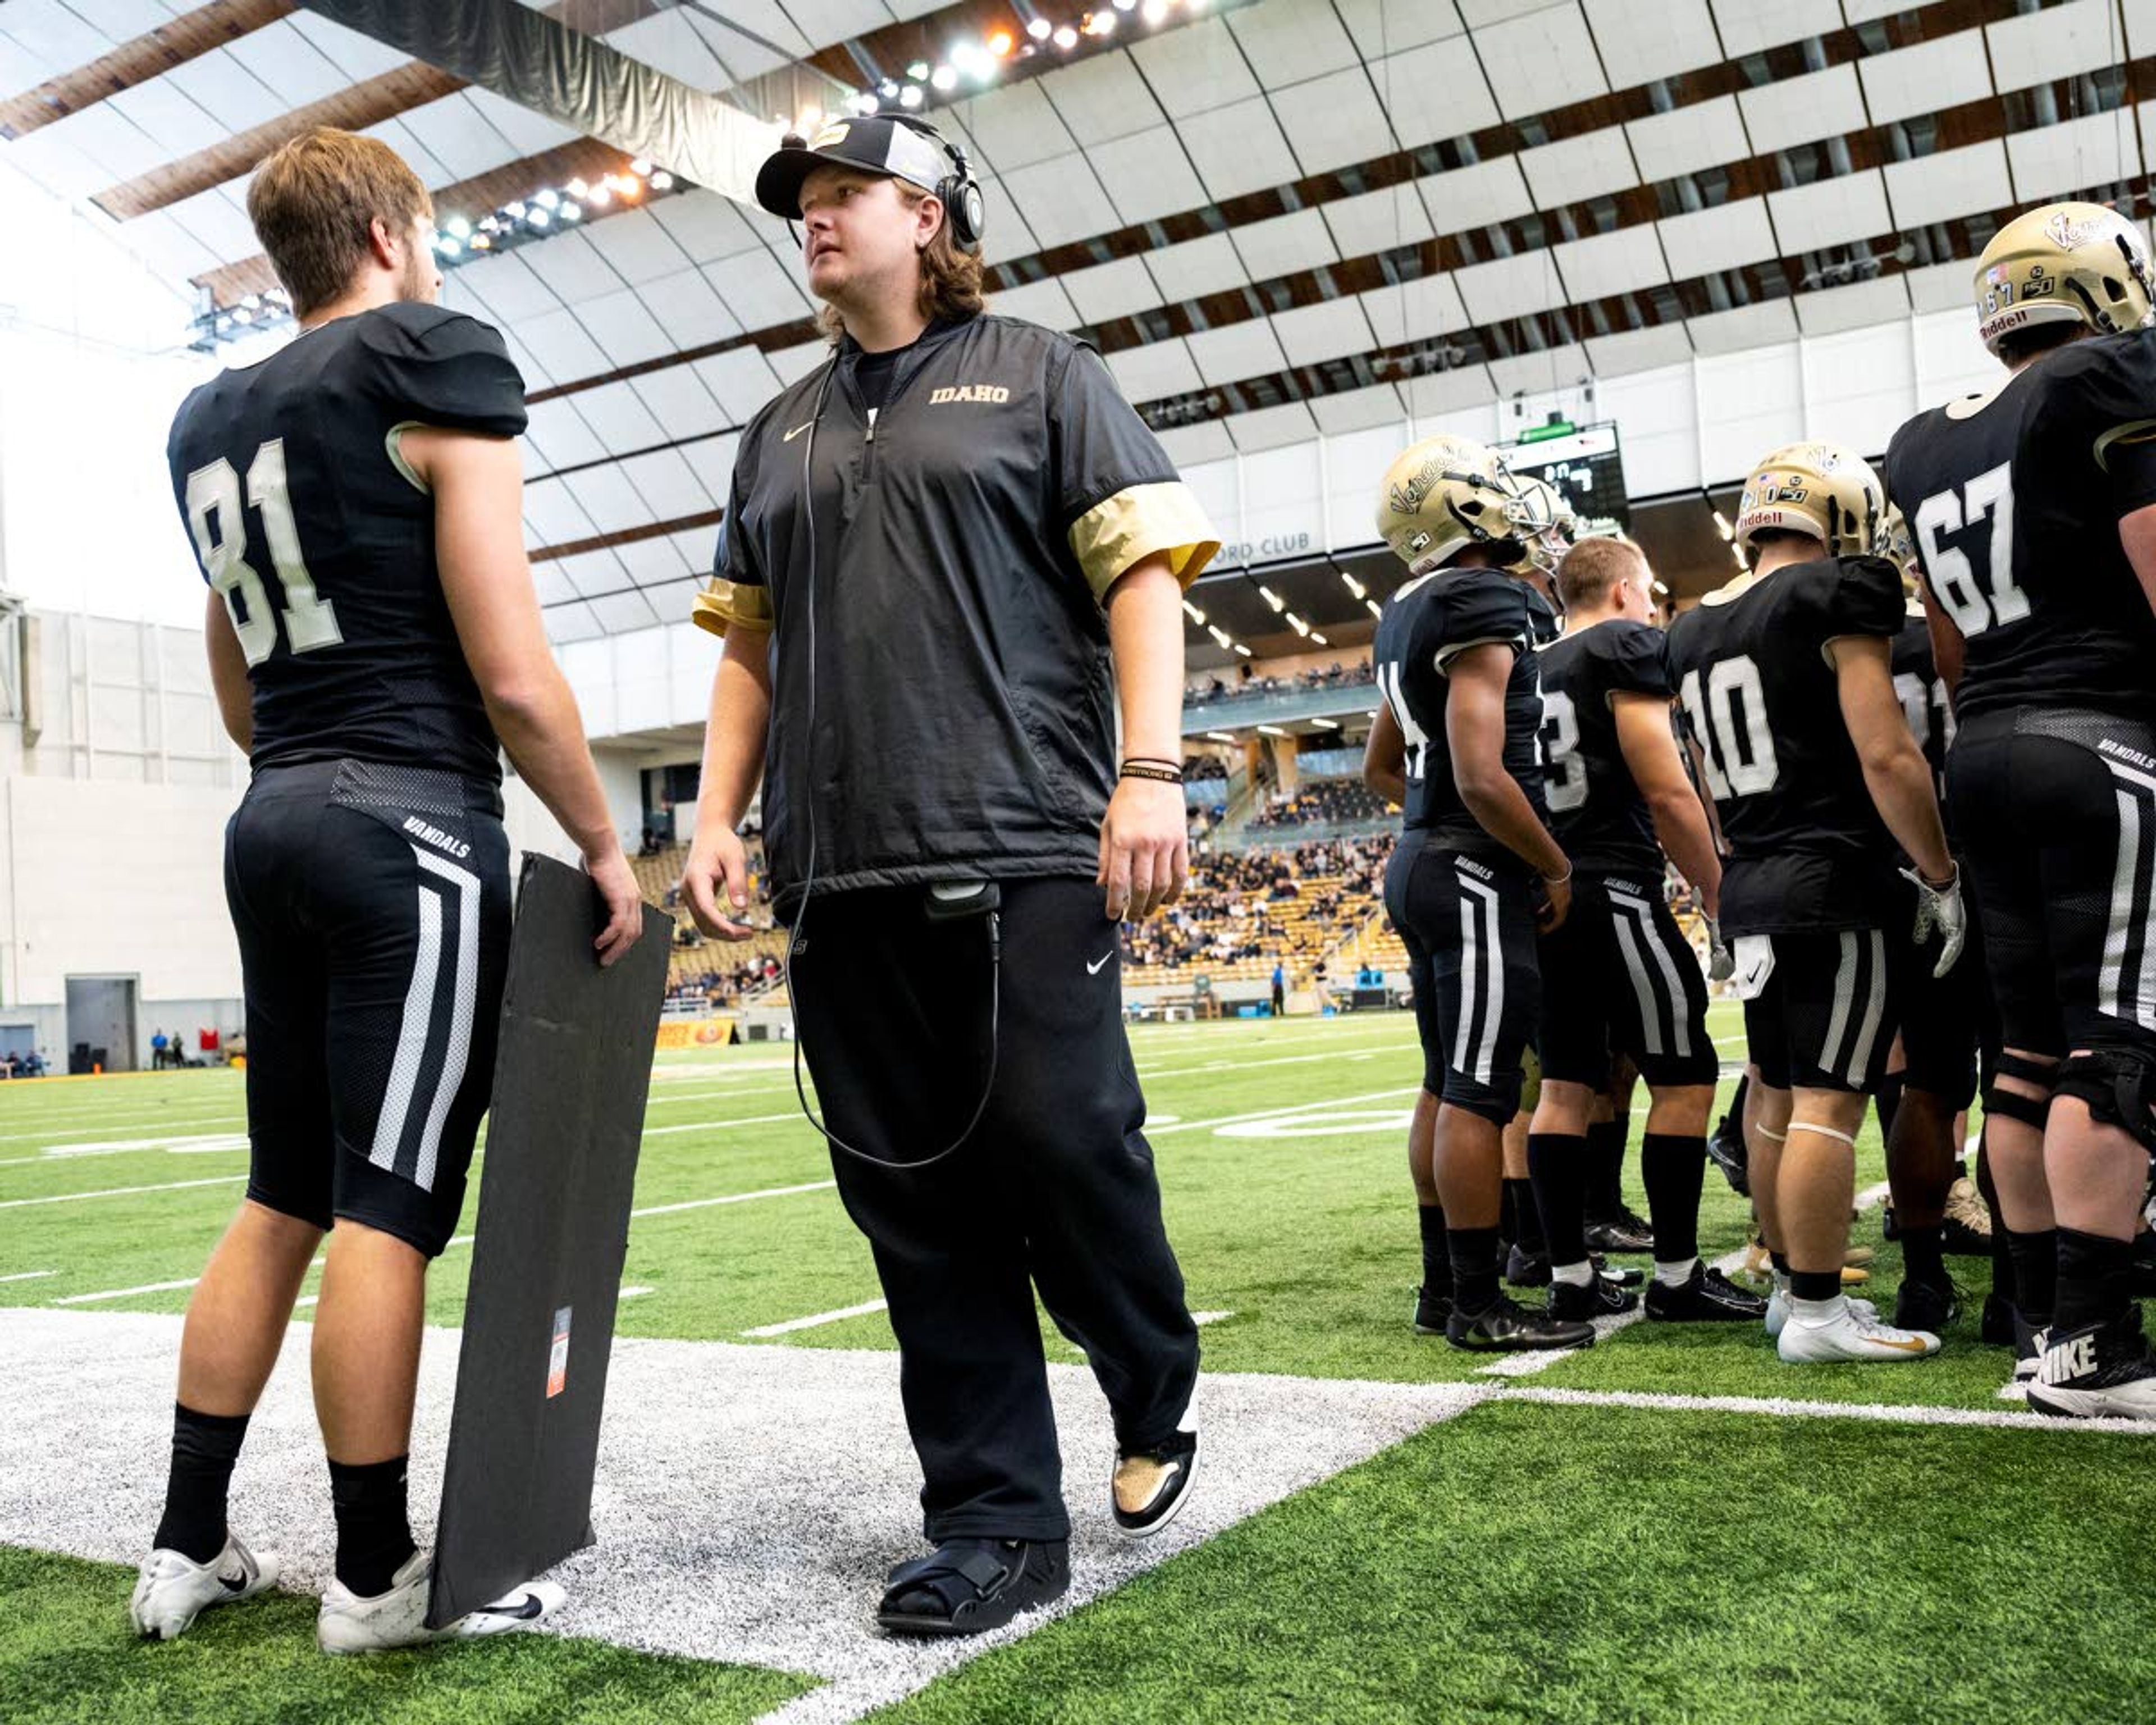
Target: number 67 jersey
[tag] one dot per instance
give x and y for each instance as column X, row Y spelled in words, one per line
column 320, row 538
column 1807, row 847
column 2013, row 498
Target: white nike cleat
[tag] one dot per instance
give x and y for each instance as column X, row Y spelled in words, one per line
column 1835, row 1330
column 173, row 1589
column 349, row 1624
column 1777, row 1309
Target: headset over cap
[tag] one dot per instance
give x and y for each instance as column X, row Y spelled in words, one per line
column 2065, row 263
column 1441, row 495
column 1822, row 490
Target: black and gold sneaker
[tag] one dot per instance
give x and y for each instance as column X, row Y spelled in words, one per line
column 1149, row 1487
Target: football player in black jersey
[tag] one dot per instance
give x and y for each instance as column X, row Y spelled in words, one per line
column 1476, row 870
column 1784, row 678
column 2033, row 507
column 374, row 638
column 1619, row 973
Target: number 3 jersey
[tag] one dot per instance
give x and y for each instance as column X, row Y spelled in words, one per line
column 1806, row 848
column 1596, row 810
column 321, row 540
column 1427, row 624
column 2013, row 499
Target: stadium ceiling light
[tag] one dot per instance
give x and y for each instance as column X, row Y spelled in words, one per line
column 888, row 89
column 917, row 71
column 571, row 211
column 1222, row 736
column 944, row 77
column 662, row 181
column 1297, row 625
column 578, row 188
column 1661, row 591
column 457, row 227
column 640, row 166
column 548, row 198
column 1272, row 598
column 1318, row 640
column 1272, row 731
column 600, row 196
column 1352, row 584
column 540, row 218
column 1722, row 525
column 1066, row 37
column 1101, row 23
column 1219, row 635
column 1195, row 615
column 1038, row 29
column 1242, row 650
column 1374, row 608
column 910, row 97
column 1155, row 12
column 1326, row 724
column 1125, row 5
column 1001, row 42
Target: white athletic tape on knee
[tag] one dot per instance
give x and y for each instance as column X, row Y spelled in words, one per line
column 1824, row 1131
column 1766, row 1131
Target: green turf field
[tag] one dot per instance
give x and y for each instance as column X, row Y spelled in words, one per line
column 1525, row 1560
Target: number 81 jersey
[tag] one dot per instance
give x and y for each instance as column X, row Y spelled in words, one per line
column 319, row 539
column 1807, row 848
column 2013, row 498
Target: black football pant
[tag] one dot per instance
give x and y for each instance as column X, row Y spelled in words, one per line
column 1055, row 1189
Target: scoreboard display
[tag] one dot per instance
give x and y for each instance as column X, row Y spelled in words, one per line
column 1583, row 462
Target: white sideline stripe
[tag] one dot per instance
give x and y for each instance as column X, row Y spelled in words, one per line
column 715, row 1126
column 1789, row 1408
column 147, row 1288
column 13, row 1204
column 631, row 1293
column 817, row 1319
column 1374, row 1096
column 29, row 1275
column 1210, row 1317
column 1329, row 1054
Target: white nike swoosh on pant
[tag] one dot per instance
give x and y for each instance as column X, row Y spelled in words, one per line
column 1094, row 969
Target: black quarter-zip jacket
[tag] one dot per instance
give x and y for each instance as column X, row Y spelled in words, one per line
column 958, row 717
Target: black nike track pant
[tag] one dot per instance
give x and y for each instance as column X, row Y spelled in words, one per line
column 1055, row 1189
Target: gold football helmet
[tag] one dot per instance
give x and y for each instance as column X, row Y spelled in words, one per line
column 1822, row 489
column 2063, row 263
column 1441, row 495
column 1546, row 526
column 1899, row 547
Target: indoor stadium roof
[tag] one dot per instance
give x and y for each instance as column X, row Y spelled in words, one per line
column 1277, row 218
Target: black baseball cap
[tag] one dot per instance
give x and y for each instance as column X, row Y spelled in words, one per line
column 873, row 144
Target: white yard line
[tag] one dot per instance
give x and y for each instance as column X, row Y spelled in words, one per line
column 1790, row 1408
column 16, row 1203
column 147, row 1288
column 29, row 1275
column 1329, row 1054
column 1374, row 1096
column 817, row 1320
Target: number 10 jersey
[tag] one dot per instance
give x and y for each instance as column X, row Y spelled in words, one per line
column 2013, row 499
column 320, row 538
column 1806, row 848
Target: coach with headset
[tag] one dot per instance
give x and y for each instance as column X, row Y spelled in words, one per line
column 936, row 545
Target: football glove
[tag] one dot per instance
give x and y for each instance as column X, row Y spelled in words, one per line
column 1940, row 907
column 1720, row 962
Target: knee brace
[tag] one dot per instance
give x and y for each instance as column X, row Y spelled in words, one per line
column 2118, row 1083
column 2011, row 1105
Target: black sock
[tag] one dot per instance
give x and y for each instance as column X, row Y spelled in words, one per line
column 204, row 1447
column 1474, row 1253
column 1780, row 1260
column 2096, row 1279
column 1814, row 1283
column 2036, row 1275
column 1557, row 1165
column 1521, row 1195
column 2002, row 1259
column 1436, row 1265
column 373, row 1537
column 1924, row 1254
column 1673, row 1166
column 1604, row 1166
column 1888, row 1099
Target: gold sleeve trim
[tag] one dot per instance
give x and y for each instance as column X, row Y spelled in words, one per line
column 394, row 443
column 1140, row 521
column 727, row 603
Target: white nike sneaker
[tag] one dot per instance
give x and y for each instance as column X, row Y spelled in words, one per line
column 1837, row 1331
column 1777, row 1309
column 349, row 1624
column 173, row 1589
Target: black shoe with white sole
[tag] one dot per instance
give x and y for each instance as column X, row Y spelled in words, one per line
column 2097, row 1371
column 1508, row 1327
column 1150, row 1486
column 1583, row 1301
column 1620, row 1231
column 966, row 1586
column 1431, row 1310
column 1708, row 1297
column 1925, row 1305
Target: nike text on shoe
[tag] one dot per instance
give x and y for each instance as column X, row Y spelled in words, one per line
column 1708, row 1296
column 1149, row 1487
column 1507, row 1327
column 1821, row 1330
column 172, row 1590
column 2099, row 1371
column 397, row 1618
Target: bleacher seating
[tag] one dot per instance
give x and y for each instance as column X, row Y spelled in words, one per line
column 1246, row 910
column 1333, row 801
column 721, row 972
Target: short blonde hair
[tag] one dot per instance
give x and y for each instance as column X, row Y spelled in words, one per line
column 1592, row 568
column 314, row 202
